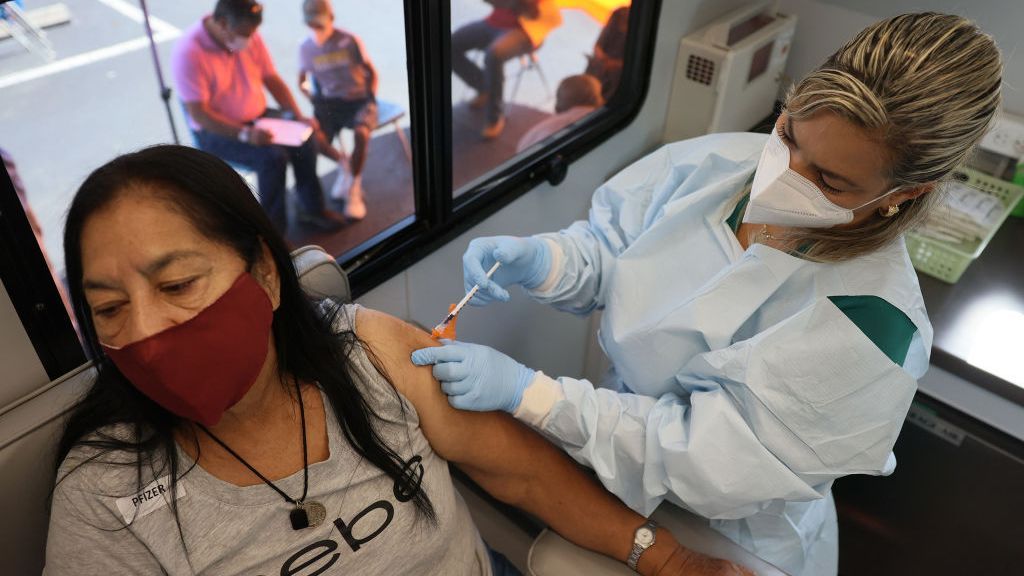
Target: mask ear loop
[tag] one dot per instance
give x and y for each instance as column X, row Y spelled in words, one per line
column 869, row 202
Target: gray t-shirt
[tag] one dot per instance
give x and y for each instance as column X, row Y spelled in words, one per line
column 101, row 524
column 339, row 66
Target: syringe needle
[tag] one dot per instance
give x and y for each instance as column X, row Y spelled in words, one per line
column 465, row 299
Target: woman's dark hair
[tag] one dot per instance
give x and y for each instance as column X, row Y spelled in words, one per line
column 220, row 205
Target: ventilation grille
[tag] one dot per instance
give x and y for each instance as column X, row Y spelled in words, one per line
column 700, row 69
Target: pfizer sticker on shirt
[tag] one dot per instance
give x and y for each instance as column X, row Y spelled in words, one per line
column 154, row 496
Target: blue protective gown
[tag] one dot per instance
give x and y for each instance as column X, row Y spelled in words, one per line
column 751, row 391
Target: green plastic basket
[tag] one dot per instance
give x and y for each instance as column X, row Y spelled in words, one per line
column 947, row 261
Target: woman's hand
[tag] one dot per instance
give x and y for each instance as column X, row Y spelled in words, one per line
column 685, row 561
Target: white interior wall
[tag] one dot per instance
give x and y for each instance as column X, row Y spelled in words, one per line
column 825, row 25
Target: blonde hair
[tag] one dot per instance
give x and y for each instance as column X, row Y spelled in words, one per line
column 927, row 86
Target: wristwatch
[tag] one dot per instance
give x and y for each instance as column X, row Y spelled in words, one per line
column 643, row 539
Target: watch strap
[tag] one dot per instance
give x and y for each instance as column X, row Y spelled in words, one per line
column 638, row 548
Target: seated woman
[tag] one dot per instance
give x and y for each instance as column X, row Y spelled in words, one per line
column 236, row 426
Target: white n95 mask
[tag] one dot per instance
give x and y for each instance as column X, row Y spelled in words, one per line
column 782, row 197
column 238, row 44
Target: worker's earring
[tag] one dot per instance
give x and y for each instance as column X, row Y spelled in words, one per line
column 890, row 211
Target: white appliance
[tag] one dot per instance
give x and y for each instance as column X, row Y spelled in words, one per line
column 1001, row 151
column 1006, row 136
column 728, row 73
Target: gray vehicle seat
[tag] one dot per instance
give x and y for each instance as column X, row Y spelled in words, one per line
column 320, row 275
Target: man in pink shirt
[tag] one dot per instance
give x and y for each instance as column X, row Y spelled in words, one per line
column 221, row 67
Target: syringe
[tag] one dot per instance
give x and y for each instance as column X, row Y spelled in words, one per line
column 439, row 329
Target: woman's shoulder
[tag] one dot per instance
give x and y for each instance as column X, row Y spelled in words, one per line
column 89, row 449
column 391, row 341
column 99, row 482
column 374, row 326
column 105, row 462
column 385, row 345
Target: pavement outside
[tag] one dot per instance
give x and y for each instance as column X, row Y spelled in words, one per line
column 100, row 98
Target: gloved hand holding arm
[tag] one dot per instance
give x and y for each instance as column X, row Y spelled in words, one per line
column 476, row 377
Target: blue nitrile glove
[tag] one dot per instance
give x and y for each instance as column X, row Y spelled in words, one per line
column 524, row 261
column 476, row 377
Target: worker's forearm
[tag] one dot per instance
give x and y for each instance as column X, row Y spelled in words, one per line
column 573, row 505
column 530, row 473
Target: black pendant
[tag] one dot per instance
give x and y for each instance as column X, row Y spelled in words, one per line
column 307, row 515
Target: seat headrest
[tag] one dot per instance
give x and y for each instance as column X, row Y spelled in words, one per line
column 320, row 275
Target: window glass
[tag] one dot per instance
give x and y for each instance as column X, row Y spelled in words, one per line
column 82, row 88
column 525, row 72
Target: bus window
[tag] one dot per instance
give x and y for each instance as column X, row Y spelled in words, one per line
column 525, row 73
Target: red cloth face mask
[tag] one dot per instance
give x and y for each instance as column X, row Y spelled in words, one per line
column 202, row 367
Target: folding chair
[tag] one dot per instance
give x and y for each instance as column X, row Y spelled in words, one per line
column 30, row 36
column 388, row 114
column 391, row 113
column 529, row 62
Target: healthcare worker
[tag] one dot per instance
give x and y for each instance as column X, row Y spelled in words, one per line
column 761, row 314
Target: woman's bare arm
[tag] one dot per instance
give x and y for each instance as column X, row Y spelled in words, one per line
column 510, row 461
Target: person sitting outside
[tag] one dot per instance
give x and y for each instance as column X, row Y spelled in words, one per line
column 576, row 97
column 345, row 94
column 609, row 52
column 221, row 67
column 237, row 425
column 514, row 28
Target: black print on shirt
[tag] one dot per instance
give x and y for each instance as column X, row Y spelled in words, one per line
column 323, row 552
column 408, row 484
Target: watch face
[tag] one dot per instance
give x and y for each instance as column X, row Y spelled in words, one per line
column 644, row 536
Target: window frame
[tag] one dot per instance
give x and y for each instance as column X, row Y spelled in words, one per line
column 438, row 217
column 30, row 287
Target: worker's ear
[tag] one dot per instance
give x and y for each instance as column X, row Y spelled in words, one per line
column 902, row 196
